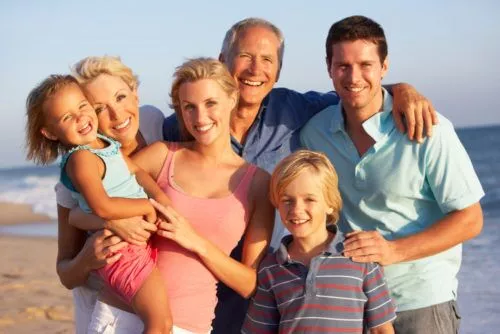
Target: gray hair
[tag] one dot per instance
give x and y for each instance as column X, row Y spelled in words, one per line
column 240, row 26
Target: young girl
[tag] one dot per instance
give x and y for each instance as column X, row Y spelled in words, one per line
column 308, row 286
column 61, row 120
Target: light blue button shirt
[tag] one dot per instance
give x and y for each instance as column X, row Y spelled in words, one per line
column 400, row 188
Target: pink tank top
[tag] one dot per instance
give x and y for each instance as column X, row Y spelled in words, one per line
column 191, row 286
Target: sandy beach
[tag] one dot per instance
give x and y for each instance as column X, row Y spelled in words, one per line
column 32, row 300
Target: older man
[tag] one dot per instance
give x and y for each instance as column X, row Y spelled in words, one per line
column 266, row 125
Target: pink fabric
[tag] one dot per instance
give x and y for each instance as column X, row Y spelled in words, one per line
column 126, row 275
column 191, row 286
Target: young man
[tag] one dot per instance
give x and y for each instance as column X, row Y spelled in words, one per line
column 410, row 205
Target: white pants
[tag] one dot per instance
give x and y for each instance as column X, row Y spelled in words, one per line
column 84, row 300
column 107, row 319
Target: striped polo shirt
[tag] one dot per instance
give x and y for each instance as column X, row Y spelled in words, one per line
column 333, row 295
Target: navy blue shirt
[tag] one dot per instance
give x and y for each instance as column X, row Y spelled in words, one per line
column 273, row 135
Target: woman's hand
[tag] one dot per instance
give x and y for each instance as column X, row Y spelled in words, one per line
column 100, row 249
column 134, row 230
column 173, row 226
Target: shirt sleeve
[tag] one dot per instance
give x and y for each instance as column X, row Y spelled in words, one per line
column 379, row 308
column 63, row 197
column 301, row 107
column 171, row 130
column 262, row 315
column 150, row 124
column 449, row 170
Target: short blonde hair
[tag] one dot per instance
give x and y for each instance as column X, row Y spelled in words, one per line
column 290, row 167
column 40, row 149
column 198, row 69
column 89, row 68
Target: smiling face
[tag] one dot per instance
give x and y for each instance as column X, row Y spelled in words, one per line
column 357, row 71
column 254, row 64
column 206, row 110
column 117, row 107
column 69, row 117
column 302, row 206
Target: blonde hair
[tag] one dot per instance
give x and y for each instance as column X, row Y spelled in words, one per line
column 90, row 68
column 40, row 149
column 194, row 70
column 290, row 167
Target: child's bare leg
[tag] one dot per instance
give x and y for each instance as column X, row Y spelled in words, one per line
column 151, row 305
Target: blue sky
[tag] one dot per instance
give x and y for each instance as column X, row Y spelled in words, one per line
column 448, row 49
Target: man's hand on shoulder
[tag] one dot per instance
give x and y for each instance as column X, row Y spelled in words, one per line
column 369, row 246
column 413, row 113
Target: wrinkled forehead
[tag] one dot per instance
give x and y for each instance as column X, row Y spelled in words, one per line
column 257, row 37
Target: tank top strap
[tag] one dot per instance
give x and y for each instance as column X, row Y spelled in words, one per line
column 166, row 170
column 246, row 181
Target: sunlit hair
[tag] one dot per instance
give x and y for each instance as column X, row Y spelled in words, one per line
column 234, row 32
column 354, row 28
column 40, row 149
column 194, row 70
column 296, row 163
column 89, row 68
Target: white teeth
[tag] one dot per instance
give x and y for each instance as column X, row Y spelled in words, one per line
column 252, row 83
column 354, row 89
column 124, row 124
column 298, row 221
column 85, row 128
column 204, row 127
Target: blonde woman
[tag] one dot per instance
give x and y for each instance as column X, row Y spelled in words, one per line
column 217, row 197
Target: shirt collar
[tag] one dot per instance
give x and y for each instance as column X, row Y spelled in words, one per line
column 378, row 126
column 382, row 123
column 262, row 109
column 336, row 246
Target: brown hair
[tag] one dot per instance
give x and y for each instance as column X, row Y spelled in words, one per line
column 354, row 28
column 290, row 167
column 40, row 149
column 192, row 71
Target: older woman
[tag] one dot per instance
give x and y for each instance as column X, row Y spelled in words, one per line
column 113, row 88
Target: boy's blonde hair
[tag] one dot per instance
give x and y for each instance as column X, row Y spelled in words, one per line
column 39, row 148
column 290, row 167
column 198, row 69
column 89, row 68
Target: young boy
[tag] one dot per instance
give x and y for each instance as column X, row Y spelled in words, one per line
column 308, row 286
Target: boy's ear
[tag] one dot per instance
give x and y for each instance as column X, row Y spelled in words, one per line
column 47, row 134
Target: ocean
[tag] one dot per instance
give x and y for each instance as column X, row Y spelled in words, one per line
column 479, row 297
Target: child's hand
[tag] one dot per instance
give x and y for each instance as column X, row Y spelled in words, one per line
column 386, row 328
column 134, row 230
